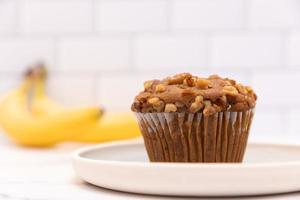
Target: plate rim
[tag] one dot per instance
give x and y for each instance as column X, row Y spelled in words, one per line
column 76, row 156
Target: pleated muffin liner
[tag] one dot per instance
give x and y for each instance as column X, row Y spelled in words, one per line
column 194, row 137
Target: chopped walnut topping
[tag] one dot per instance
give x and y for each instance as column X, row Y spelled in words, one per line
column 199, row 99
column 154, row 101
column 207, row 103
column 249, row 89
column 170, row 107
column 202, row 83
column 241, row 89
column 230, row 90
column 190, row 81
column 178, row 78
column 214, row 76
column 160, row 107
column 160, row 88
column 207, row 108
column 197, row 104
column 223, row 98
column 195, row 107
column 147, row 84
column 228, row 83
column 187, row 93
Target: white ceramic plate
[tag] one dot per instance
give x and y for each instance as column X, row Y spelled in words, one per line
column 123, row 166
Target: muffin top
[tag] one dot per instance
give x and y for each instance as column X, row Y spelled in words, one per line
column 187, row 93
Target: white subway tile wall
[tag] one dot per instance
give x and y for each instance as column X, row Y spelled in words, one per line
column 168, row 51
column 208, row 15
column 293, row 49
column 242, row 50
column 100, row 51
column 16, row 52
column 121, row 90
column 56, row 16
column 131, row 15
column 93, row 54
column 7, row 16
column 274, row 14
column 80, row 90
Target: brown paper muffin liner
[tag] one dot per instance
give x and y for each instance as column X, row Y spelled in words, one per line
column 193, row 137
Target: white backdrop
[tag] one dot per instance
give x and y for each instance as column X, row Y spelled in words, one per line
column 100, row 51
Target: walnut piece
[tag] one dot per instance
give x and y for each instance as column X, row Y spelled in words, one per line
column 227, row 83
column 147, row 84
column 199, row 99
column 202, row 83
column 178, row 78
column 160, row 88
column 170, row 107
column 249, row 89
column 223, row 98
column 207, row 108
column 154, row 101
column 241, row 89
column 189, row 81
column 197, row 105
column 214, row 76
column 230, row 90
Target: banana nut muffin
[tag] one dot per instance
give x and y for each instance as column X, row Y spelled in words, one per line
column 184, row 118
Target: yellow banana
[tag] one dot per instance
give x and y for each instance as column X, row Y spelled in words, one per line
column 111, row 126
column 27, row 129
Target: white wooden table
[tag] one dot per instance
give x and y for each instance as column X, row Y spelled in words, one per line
column 42, row 174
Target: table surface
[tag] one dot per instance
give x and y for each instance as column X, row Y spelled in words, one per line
column 42, row 174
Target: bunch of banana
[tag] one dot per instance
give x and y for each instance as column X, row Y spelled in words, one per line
column 31, row 118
